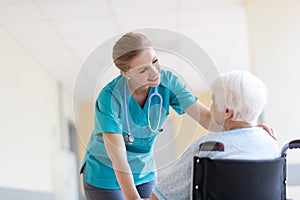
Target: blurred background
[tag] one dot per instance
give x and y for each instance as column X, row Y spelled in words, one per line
column 43, row 44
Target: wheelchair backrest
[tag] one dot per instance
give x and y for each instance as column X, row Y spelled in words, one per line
column 239, row 179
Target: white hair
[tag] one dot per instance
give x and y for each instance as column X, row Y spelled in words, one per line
column 242, row 92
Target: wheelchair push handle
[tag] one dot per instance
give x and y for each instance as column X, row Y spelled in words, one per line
column 295, row 144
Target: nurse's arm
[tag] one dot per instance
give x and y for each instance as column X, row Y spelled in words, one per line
column 200, row 113
column 115, row 147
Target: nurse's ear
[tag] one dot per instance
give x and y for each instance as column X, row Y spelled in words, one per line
column 124, row 74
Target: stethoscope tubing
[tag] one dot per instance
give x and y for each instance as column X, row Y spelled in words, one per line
column 129, row 137
column 155, row 93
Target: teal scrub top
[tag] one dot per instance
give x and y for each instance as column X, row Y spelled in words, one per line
column 110, row 117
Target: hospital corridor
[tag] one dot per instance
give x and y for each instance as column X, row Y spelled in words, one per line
column 102, row 97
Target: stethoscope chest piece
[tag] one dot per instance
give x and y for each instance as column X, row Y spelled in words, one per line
column 129, row 139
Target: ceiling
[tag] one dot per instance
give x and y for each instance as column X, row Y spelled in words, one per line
column 60, row 34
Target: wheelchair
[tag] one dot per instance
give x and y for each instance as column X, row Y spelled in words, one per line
column 239, row 179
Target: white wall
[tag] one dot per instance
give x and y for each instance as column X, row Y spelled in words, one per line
column 31, row 132
column 274, row 29
column 28, row 119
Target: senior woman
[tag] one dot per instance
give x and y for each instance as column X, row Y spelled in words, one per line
column 238, row 99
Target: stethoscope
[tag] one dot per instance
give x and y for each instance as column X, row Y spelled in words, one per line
column 129, row 139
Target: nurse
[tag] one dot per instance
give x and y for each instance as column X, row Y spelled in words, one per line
column 129, row 114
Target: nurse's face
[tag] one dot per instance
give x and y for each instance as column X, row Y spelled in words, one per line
column 144, row 69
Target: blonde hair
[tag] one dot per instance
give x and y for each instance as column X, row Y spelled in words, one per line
column 242, row 92
column 127, row 47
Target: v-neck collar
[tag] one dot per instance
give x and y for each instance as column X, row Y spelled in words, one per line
column 137, row 113
column 130, row 99
column 145, row 107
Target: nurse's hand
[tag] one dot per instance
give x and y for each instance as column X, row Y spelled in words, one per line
column 269, row 130
column 153, row 197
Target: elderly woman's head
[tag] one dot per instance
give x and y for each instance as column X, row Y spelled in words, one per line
column 241, row 93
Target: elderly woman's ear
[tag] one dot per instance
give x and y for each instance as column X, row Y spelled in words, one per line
column 228, row 113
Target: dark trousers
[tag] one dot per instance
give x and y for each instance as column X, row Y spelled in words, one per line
column 95, row 193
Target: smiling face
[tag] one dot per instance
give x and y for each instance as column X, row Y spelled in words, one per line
column 144, row 69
